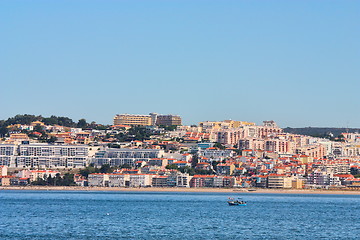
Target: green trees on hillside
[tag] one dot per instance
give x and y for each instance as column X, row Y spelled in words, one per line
column 66, row 180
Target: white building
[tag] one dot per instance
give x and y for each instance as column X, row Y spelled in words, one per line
column 51, row 156
column 7, row 154
column 3, row 170
column 98, row 180
column 119, row 180
column 141, row 180
column 215, row 154
column 118, row 157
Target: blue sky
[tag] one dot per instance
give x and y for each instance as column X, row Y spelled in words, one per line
column 295, row 62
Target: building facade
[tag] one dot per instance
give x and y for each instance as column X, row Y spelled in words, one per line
column 133, row 120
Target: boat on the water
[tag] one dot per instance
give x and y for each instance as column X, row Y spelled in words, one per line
column 237, row 202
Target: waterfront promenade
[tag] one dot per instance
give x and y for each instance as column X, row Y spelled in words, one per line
column 155, row 189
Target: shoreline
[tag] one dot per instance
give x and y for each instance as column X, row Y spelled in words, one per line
column 185, row 190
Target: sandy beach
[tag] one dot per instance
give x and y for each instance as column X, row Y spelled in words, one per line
column 213, row 190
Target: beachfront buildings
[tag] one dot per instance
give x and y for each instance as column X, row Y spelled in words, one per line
column 120, row 180
column 214, row 154
column 124, row 179
column 279, row 181
column 34, row 175
column 201, row 181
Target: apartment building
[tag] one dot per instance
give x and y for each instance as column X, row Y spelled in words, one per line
column 147, row 120
column 98, row 180
column 133, row 120
column 7, row 154
column 168, row 120
column 225, row 169
column 322, row 178
column 214, row 154
column 121, row 156
column 51, row 156
column 202, row 181
column 141, row 180
column 119, row 180
column 279, row 181
column 227, row 136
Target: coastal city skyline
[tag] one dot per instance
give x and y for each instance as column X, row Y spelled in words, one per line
column 157, row 150
column 200, row 119
column 295, row 62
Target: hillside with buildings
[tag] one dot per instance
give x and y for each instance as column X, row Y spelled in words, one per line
column 158, row 151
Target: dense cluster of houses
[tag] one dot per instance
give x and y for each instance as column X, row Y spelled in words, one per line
column 212, row 154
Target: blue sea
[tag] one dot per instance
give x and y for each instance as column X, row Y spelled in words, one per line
column 149, row 215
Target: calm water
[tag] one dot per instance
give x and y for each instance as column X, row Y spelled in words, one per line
column 111, row 215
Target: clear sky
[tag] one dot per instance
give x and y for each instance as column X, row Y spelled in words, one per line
column 295, row 62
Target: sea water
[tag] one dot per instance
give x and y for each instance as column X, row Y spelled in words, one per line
column 149, row 215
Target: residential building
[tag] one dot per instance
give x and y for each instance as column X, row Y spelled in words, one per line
column 3, row 170
column 168, row 120
column 34, row 175
column 141, row 180
column 52, row 156
column 7, row 154
column 279, row 181
column 160, row 181
column 5, row 180
column 202, row 181
column 133, row 120
column 225, row 169
column 119, row 180
column 121, row 156
column 98, row 180
column 147, row 120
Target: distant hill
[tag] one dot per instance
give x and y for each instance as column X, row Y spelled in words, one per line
column 319, row 131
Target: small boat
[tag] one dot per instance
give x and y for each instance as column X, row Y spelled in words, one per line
column 238, row 202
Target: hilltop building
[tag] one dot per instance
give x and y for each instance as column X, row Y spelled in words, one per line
column 133, row 120
column 147, row 120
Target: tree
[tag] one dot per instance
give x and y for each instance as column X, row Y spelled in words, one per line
column 168, row 128
column 68, row 180
column 214, row 164
column 57, row 180
column 82, row 123
column 38, row 128
column 52, row 139
column 3, row 131
column 172, row 166
column 188, row 170
column 219, row 146
column 106, row 168
column 138, row 133
column 89, row 169
column 39, row 181
column 50, row 180
column 125, row 165
column 194, row 160
column 203, row 172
